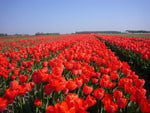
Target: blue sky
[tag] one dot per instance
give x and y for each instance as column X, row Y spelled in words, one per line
column 67, row 16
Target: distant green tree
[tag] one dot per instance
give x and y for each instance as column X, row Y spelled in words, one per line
column 3, row 34
column 41, row 33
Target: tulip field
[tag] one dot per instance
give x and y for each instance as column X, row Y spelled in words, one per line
column 81, row 73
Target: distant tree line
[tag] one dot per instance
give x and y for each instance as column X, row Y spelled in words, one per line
column 96, row 32
column 40, row 33
column 37, row 34
column 3, row 34
column 137, row 31
column 21, row 35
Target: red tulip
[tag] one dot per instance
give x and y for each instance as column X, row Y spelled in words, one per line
column 89, row 101
column 48, row 89
column 3, row 104
column 14, row 84
column 10, row 94
column 23, row 78
column 71, row 85
column 117, row 93
column 87, row 89
column 99, row 93
column 122, row 102
column 37, row 102
column 94, row 80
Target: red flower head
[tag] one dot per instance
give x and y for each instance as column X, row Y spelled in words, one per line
column 75, row 72
column 87, row 89
column 3, row 104
column 122, row 102
column 145, row 106
column 94, row 80
column 58, row 83
column 78, row 81
column 139, row 82
column 114, row 75
column 74, row 101
column 124, row 81
column 13, row 76
column 117, row 93
column 71, row 85
column 105, row 83
column 44, row 64
column 21, row 90
column 133, row 98
column 48, row 89
column 71, row 97
column 111, row 107
column 14, row 84
column 85, row 78
column 10, row 94
column 65, row 91
column 50, row 109
column 64, row 108
column 107, row 98
column 129, row 88
column 105, row 76
column 16, row 71
column 37, row 102
column 99, row 93
column 23, row 78
column 29, row 86
column 69, row 65
column 39, row 76
column 145, row 57
column 29, row 69
column 89, row 101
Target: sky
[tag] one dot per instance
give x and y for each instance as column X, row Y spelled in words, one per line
column 69, row 16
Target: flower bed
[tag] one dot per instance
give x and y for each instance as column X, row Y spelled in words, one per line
column 138, row 45
column 79, row 75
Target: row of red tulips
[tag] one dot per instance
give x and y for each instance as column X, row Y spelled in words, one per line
column 8, row 46
column 135, row 60
column 139, row 45
column 84, row 77
column 25, row 37
column 115, row 85
column 19, row 65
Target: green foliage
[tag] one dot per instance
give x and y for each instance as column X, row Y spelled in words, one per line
column 139, row 65
column 132, row 35
column 137, row 31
